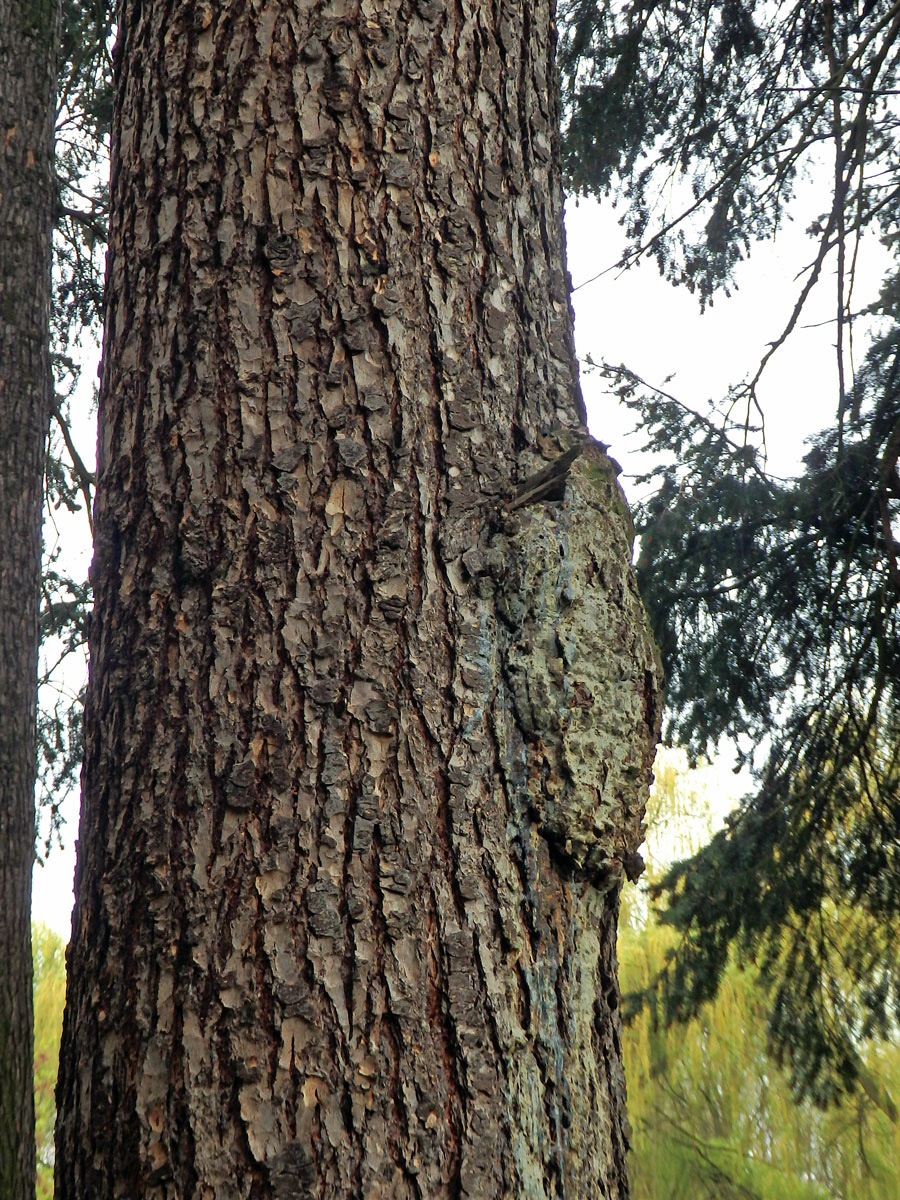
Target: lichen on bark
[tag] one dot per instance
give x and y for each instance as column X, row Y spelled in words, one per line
column 582, row 673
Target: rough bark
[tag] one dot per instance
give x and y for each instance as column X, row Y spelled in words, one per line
column 28, row 35
column 367, row 738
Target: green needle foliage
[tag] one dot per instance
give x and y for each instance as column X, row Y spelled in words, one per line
column 775, row 602
column 84, row 107
column 730, row 98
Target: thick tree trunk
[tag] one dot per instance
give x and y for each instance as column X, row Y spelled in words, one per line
column 28, row 36
column 368, row 733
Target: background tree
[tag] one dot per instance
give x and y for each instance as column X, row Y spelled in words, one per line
column 28, row 37
column 774, row 602
column 371, row 709
column 35, row 38
column 711, row 1117
column 48, row 953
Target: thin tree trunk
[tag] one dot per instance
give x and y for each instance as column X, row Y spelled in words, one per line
column 368, row 732
column 28, row 38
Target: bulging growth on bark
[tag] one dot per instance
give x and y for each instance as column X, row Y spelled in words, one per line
column 367, row 742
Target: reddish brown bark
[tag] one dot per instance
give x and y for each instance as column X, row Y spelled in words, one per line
column 350, row 850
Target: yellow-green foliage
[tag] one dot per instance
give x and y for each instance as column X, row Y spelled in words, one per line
column 49, row 998
column 712, row 1115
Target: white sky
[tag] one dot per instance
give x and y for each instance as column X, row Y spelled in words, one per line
column 658, row 331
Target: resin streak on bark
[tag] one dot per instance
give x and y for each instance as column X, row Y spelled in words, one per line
column 328, row 939
column 28, row 34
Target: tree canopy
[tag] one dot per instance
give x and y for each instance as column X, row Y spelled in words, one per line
column 84, row 99
column 774, row 601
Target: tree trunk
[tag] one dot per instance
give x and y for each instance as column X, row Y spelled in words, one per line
column 28, row 37
column 369, row 723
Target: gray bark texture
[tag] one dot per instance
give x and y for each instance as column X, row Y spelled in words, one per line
column 28, row 36
column 368, row 731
